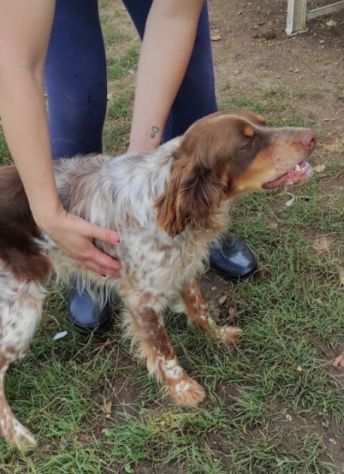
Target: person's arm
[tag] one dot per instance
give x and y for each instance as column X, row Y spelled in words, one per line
column 24, row 35
column 165, row 53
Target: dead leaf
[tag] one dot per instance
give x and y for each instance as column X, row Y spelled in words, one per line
column 215, row 35
column 331, row 23
column 273, row 225
column 322, row 244
column 232, row 314
column 319, row 168
column 107, row 408
column 341, row 275
column 336, row 146
column 222, row 300
column 290, row 201
column 60, row 335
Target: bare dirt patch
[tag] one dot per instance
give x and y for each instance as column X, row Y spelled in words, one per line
column 255, row 55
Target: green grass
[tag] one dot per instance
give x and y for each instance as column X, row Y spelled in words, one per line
column 272, row 404
column 4, row 153
column 119, row 68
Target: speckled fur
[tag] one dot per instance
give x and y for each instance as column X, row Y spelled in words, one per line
column 118, row 193
column 167, row 206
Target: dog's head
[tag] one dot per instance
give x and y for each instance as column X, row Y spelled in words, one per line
column 224, row 155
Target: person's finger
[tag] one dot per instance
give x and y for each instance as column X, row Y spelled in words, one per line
column 106, row 235
column 107, row 263
column 90, row 265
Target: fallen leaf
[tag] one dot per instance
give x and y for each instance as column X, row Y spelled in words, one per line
column 322, row 244
column 107, row 408
column 319, row 168
column 336, row 146
column 216, row 36
column 290, row 201
column 331, row 23
column 60, row 335
column 222, row 300
column 341, row 275
column 232, row 314
column 273, row 225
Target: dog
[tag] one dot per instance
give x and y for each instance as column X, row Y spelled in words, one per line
column 168, row 206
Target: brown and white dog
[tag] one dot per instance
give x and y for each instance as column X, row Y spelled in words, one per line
column 167, row 206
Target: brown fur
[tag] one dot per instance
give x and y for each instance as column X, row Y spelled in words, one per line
column 212, row 154
column 197, row 312
column 20, row 253
column 192, row 178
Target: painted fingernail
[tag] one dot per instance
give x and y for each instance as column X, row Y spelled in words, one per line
column 117, row 239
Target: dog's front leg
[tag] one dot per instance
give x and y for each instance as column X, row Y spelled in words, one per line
column 146, row 328
column 197, row 312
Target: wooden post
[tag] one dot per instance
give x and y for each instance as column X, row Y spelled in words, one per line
column 326, row 10
column 297, row 16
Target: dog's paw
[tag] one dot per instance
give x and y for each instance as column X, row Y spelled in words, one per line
column 339, row 362
column 186, row 392
column 230, row 335
column 22, row 438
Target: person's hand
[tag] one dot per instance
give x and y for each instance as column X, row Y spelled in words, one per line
column 75, row 237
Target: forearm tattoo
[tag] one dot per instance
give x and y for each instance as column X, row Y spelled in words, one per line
column 154, row 132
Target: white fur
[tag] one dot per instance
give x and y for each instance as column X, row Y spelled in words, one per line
column 120, row 193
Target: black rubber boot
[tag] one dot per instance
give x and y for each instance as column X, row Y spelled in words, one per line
column 232, row 259
column 86, row 314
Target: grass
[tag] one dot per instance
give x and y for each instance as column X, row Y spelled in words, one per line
column 4, row 153
column 273, row 405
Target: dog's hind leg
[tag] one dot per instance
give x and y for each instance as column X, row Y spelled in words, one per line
column 11, row 429
column 197, row 312
column 20, row 313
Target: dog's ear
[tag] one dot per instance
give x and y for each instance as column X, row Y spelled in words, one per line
column 195, row 189
column 253, row 117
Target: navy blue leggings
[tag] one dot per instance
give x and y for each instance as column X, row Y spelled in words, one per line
column 75, row 77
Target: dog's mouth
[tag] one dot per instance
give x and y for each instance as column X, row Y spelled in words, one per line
column 300, row 173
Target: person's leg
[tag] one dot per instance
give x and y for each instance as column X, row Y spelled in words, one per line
column 75, row 80
column 195, row 99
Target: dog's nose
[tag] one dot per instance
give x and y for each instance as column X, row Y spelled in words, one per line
column 308, row 139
